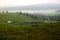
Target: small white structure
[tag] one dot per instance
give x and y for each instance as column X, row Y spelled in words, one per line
column 46, row 21
column 9, row 22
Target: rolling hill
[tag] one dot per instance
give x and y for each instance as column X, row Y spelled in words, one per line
column 16, row 18
column 26, row 32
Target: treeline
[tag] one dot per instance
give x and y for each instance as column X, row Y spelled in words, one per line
column 29, row 15
column 55, row 17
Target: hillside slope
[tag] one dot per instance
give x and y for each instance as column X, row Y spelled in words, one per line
column 16, row 18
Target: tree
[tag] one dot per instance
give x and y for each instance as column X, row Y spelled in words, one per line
column 6, row 11
column 20, row 13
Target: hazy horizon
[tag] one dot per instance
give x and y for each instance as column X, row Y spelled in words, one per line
column 11, row 3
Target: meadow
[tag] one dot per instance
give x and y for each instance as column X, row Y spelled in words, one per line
column 19, row 31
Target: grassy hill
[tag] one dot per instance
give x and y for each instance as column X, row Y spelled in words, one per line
column 26, row 32
column 16, row 18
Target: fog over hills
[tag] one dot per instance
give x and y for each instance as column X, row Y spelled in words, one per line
column 33, row 7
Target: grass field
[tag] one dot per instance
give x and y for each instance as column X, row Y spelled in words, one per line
column 16, row 31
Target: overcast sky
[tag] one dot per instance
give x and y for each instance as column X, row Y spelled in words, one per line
column 8, row 3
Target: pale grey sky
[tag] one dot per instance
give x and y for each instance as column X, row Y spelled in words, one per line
column 7, row 3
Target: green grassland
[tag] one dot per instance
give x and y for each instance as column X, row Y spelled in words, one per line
column 16, row 31
column 16, row 18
